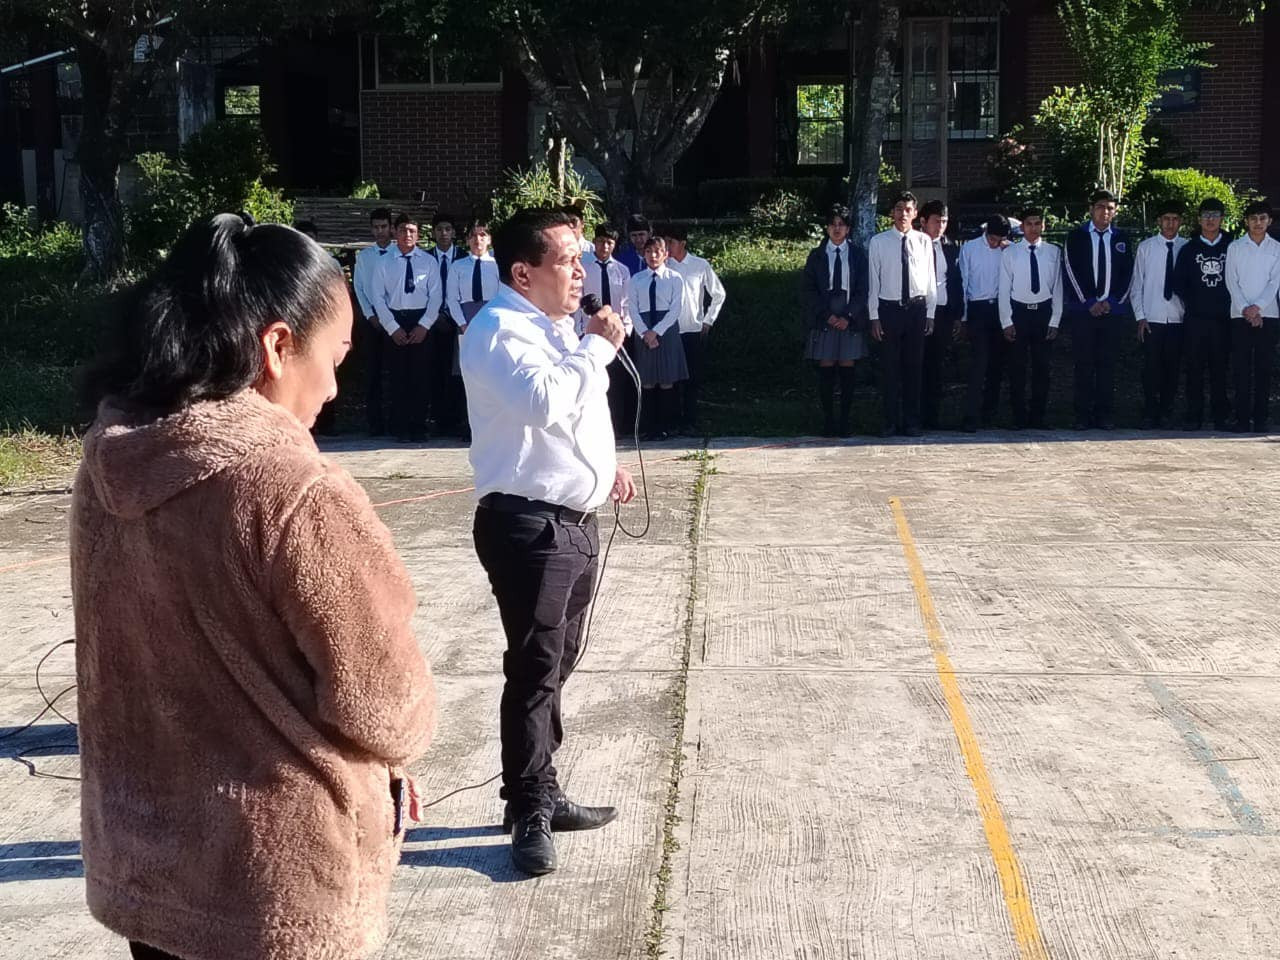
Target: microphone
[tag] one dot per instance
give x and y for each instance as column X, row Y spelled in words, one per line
column 591, row 304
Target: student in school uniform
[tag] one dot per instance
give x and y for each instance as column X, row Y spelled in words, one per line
column 1200, row 281
column 1099, row 267
column 611, row 282
column 835, row 305
column 902, row 292
column 575, row 212
column 934, row 218
column 473, row 282
column 657, row 302
column 704, row 301
column 1030, row 314
column 326, row 424
column 371, row 339
column 442, row 338
column 1253, row 278
column 980, row 260
column 631, row 255
column 1159, row 312
column 408, row 298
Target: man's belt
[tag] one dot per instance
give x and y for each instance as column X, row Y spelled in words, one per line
column 510, row 503
column 1030, row 306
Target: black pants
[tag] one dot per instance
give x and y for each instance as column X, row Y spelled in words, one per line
column 408, row 367
column 937, row 346
column 1161, row 366
column 542, row 572
column 986, row 362
column 372, row 344
column 1095, row 341
column 1253, row 352
column 622, row 397
column 902, row 362
column 442, row 344
column 1031, row 341
column 694, row 358
column 140, row 951
column 1207, row 340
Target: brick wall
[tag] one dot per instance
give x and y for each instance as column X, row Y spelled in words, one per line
column 1222, row 135
column 446, row 142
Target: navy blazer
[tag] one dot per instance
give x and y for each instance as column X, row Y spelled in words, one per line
column 1078, row 264
column 955, row 282
column 815, row 295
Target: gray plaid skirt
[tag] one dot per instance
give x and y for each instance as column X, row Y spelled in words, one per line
column 836, row 345
column 664, row 364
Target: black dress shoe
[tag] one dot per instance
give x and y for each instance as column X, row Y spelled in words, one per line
column 569, row 816
column 532, row 849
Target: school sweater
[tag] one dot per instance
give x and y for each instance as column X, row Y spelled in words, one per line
column 1200, row 278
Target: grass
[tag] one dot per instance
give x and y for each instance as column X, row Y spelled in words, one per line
column 28, row 456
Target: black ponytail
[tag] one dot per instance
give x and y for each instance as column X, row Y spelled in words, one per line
column 190, row 330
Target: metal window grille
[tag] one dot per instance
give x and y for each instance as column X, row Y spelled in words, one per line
column 973, row 73
column 819, row 124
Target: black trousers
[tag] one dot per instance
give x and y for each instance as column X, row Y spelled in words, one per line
column 1207, row 341
column 1031, row 342
column 1253, row 351
column 902, row 361
column 408, row 368
column 986, row 361
column 442, row 345
column 937, row 347
column 140, row 951
column 1095, row 341
column 1161, row 366
column 542, row 572
column 694, row 357
column 622, row 396
column 371, row 341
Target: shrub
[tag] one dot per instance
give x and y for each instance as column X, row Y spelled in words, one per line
column 1189, row 186
column 267, row 204
column 224, row 159
column 27, row 250
column 1066, row 124
column 536, row 187
column 1012, row 162
column 366, row 190
column 723, row 198
column 783, row 213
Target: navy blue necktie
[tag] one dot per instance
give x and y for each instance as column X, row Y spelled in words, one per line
column 1035, row 268
column 1168, row 270
column 837, row 273
column 606, row 297
column 906, row 272
column 409, row 285
column 1100, row 273
column 653, row 299
column 477, row 286
column 444, row 271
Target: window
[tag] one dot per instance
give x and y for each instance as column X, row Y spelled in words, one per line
column 241, row 101
column 973, row 67
column 405, row 62
column 819, row 124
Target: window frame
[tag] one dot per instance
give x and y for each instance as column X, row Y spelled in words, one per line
column 489, row 86
column 826, row 80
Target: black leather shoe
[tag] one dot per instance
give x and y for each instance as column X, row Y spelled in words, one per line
column 569, row 816
column 532, row 849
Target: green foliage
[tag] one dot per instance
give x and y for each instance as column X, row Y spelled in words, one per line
column 737, row 197
column 22, row 243
column 783, row 213
column 1190, row 186
column 1067, row 124
column 224, row 160
column 1013, row 166
column 366, row 190
column 536, row 187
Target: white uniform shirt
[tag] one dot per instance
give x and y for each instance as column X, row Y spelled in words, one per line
column 940, row 270
column 619, row 288
column 699, row 279
column 538, row 405
column 1015, row 280
column 460, row 274
column 1147, row 292
column 980, row 268
column 831, row 249
column 364, row 276
column 427, row 293
column 1253, row 275
column 884, row 279
column 670, row 296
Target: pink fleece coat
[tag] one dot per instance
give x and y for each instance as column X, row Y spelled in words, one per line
column 247, row 677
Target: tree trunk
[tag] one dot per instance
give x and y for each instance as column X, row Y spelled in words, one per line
column 98, row 155
column 878, row 37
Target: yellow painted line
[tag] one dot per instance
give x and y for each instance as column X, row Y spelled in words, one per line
column 1017, row 897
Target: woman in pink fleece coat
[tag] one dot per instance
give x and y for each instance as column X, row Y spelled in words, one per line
column 248, row 681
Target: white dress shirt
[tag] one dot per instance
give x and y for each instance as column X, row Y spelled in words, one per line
column 1015, row 280
column 538, row 405
column 427, row 293
column 1105, row 239
column 619, row 289
column 1147, row 292
column 940, row 270
column 364, row 276
column 980, row 268
column 884, row 279
column 588, row 248
column 699, row 280
column 831, row 249
column 670, row 297
column 1253, row 275
column 460, row 273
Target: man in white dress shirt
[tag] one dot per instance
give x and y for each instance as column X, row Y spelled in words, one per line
column 1159, row 313
column 1253, row 278
column 442, row 336
column 611, row 282
column 370, row 337
column 902, row 293
column 980, row 266
column 1030, row 314
column 706, row 296
column 473, row 282
column 543, row 456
